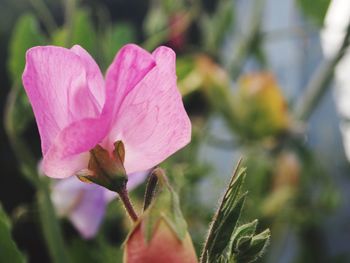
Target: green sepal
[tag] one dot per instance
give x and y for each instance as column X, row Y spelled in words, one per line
column 256, row 249
column 105, row 169
column 246, row 230
column 166, row 206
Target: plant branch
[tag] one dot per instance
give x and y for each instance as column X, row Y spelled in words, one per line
column 45, row 15
column 319, row 82
column 247, row 43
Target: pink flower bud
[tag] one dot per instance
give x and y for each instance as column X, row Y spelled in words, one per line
column 163, row 246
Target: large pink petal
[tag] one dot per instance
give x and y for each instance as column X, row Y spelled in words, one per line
column 128, row 68
column 152, row 121
column 55, row 80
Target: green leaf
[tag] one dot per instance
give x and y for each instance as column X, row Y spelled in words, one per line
column 225, row 230
column 316, row 9
column 228, row 242
column 8, row 248
column 226, row 217
column 26, row 34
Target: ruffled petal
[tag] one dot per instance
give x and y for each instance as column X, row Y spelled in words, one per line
column 69, row 152
column 152, row 121
column 128, row 68
column 56, row 81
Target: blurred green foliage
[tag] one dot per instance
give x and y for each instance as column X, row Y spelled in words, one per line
column 8, row 248
column 288, row 186
column 315, row 10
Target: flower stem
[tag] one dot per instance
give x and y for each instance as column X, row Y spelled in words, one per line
column 50, row 225
column 320, row 81
column 124, row 197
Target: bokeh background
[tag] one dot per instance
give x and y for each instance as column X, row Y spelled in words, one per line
column 264, row 80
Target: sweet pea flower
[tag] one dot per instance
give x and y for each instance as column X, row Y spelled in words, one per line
column 76, row 109
column 85, row 204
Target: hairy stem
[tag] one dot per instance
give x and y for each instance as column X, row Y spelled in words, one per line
column 124, row 197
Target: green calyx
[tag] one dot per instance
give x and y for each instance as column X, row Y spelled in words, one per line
column 105, row 169
column 163, row 205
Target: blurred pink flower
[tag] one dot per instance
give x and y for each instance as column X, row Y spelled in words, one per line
column 85, row 204
column 76, row 108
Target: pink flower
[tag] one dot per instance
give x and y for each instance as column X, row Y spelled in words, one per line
column 76, row 108
column 85, row 204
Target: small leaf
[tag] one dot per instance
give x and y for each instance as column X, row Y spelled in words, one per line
column 8, row 248
column 226, row 217
column 257, row 247
column 246, row 230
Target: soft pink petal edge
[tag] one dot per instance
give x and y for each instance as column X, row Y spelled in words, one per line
column 161, row 126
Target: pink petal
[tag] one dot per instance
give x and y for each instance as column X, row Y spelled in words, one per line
column 88, row 215
column 69, row 152
column 95, row 79
column 64, row 89
column 128, row 68
column 84, row 204
column 152, row 121
column 55, row 80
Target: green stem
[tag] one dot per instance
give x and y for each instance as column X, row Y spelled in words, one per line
column 49, row 222
column 247, row 43
column 70, row 8
column 124, row 197
column 50, row 225
column 320, row 82
column 45, row 15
